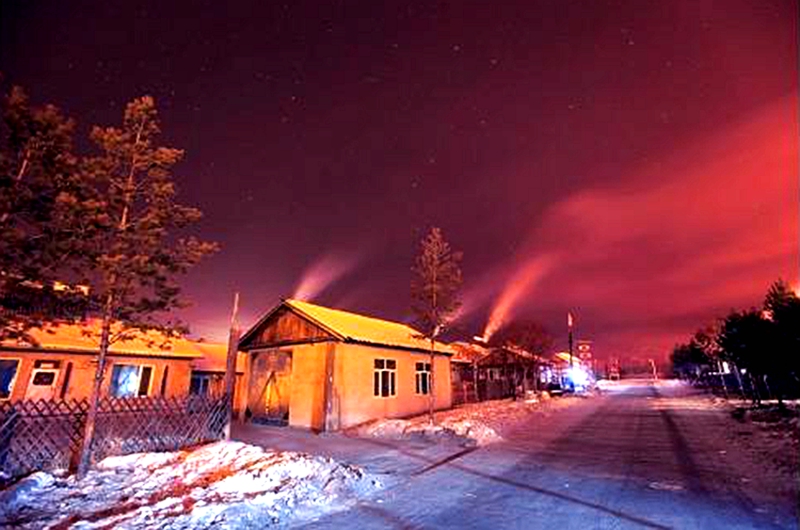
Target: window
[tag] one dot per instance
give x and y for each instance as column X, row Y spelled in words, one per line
column 383, row 378
column 8, row 372
column 131, row 380
column 423, row 378
column 41, row 378
column 199, row 384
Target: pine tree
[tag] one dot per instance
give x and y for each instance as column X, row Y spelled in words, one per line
column 43, row 226
column 435, row 293
column 135, row 252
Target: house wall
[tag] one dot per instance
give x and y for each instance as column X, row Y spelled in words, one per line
column 306, row 383
column 307, row 406
column 353, row 399
column 83, row 369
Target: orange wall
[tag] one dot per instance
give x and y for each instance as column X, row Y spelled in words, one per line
column 83, row 371
column 307, row 402
column 354, row 401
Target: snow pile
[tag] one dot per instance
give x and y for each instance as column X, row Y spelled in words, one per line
column 471, row 424
column 227, row 484
column 466, row 431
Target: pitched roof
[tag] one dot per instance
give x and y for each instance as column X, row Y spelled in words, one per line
column 467, row 352
column 353, row 327
column 84, row 338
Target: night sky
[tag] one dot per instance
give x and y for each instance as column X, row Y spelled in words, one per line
column 635, row 161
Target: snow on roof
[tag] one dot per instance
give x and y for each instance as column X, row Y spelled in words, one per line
column 467, row 352
column 84, row 338
column 360, row 328
column 564, row 358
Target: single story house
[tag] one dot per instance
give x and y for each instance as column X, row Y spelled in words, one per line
column 62, row 359
column 324, row 369
column 481, row 373
column 208, row 373
column 464, row 371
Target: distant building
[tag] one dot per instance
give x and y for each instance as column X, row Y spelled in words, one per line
column 208, row 372
column 320, row 368
column 481, row 373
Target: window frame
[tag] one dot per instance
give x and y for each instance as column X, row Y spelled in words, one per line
column 13, row 383
column 420, row 375
column 140, row 368
column 205, row 384
column 378, row 375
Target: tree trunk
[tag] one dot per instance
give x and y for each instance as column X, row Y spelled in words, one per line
column 766, row 385
column 754, row 389
column 431, row 396
column 230, row 365
column 475, row 381
column 739, row 381
column 94, row 399
column 722, row 379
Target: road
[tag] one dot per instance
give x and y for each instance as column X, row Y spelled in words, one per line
column 641, row 457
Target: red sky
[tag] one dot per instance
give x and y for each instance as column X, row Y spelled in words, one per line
column 636, row 161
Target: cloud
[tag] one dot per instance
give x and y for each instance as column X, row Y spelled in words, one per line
column 717, row 227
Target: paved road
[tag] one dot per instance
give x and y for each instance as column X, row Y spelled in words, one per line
column 637, row 458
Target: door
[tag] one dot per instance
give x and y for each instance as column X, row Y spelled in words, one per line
column 43, row 380
column 270, row 387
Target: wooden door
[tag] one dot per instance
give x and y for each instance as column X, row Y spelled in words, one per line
column 270, row 387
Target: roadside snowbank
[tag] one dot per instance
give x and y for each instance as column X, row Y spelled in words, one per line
column 471, row 424
column 229, row 484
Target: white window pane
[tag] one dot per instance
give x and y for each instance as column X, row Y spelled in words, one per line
column 124, row 380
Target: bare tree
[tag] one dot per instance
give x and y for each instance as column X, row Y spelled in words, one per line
column 435, row 293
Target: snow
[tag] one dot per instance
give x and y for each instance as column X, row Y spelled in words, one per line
column 224, row 484
column 362, row 328
column 473, row 424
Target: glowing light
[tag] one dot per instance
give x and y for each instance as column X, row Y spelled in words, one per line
column 520, row 284
column 578, row 376
column 322, row 274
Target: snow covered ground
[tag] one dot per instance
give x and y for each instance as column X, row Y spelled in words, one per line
column 220, row 485
column 474, row 423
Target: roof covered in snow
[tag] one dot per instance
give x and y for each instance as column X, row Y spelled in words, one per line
column 353, row 327
column 85, row 338
column 467, row 352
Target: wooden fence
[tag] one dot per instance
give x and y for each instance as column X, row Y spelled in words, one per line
column 47, row 435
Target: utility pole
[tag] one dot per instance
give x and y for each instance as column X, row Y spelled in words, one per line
column 569, row 327
column 230, row 367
